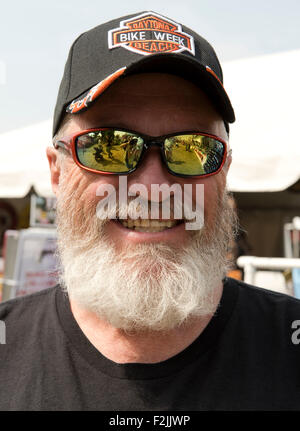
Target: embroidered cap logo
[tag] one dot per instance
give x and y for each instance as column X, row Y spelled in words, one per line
column 150, row 33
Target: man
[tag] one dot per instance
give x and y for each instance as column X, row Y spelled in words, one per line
column 144, row 317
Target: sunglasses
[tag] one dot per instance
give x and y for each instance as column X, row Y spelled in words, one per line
column 120, row 152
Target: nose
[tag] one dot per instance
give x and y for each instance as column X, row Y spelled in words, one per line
column 152, row 170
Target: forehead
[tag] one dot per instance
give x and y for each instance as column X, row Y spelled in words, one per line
column 152, row 103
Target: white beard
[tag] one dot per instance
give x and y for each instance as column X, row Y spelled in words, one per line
column 147, row 287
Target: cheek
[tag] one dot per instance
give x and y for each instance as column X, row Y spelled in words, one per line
column 98, row 187
column 82, row 186
column 213, row 191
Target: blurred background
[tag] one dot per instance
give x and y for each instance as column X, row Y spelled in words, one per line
column 258, row 44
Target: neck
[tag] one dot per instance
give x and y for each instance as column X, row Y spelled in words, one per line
column 139, row 347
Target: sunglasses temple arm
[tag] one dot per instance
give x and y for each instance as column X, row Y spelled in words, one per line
column 61, row 144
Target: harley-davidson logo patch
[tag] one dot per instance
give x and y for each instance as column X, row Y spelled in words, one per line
column 150, row 33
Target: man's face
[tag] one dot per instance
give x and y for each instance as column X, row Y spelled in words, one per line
column 142, row 280
column 155, row 105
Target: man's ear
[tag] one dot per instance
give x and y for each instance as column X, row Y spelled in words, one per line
column 55, row 169
column 228, row 161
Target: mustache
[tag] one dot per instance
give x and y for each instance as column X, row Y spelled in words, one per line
column 140, row 208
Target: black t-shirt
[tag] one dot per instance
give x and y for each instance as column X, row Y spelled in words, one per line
column 247, row 358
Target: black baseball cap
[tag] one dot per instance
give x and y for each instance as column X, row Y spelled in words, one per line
column 137, row 43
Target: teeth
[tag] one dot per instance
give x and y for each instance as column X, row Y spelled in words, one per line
column 130, row 223
column 148, row 225
column 149, row 229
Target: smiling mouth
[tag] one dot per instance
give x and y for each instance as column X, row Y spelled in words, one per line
column 146, row 225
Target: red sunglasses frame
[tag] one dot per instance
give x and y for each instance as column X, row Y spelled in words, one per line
column 68, row 143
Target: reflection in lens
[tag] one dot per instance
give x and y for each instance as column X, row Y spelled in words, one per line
column 109, row 150
column 193, row 154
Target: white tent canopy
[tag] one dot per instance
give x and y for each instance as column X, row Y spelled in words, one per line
column 265, row 93
column 265, row 140
column 23, row 161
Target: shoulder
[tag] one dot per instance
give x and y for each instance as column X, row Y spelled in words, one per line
column 18, row 310
column 264, row 307
column 28, row 323
column 248, row 291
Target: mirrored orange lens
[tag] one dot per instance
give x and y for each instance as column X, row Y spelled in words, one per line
column 109, row 150
column 193, row 154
